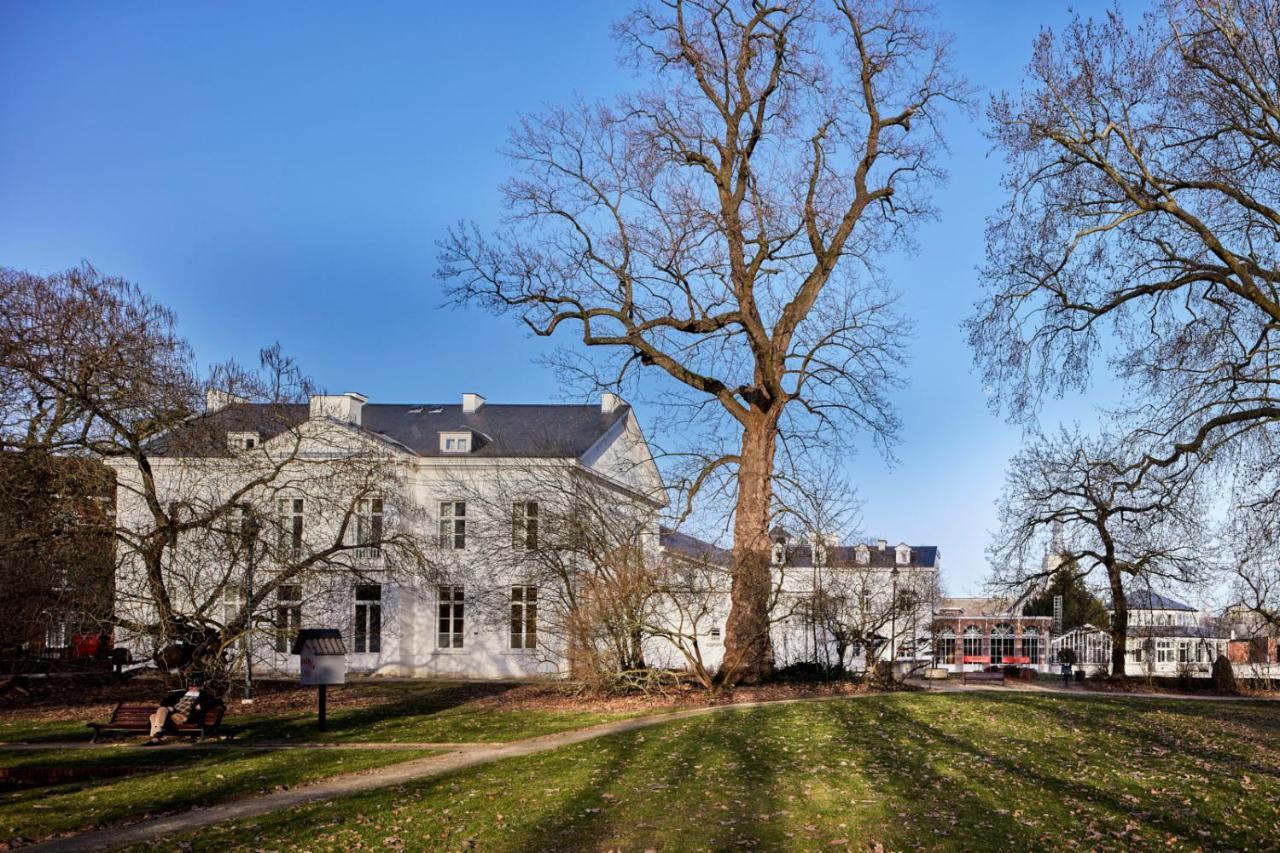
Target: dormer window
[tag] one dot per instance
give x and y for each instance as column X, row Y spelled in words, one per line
column 779, row 553
column 862, row 554
column 455, row 442
column 903, row 555
column 242, row 440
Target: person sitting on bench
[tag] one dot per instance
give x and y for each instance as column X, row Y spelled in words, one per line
column 191, row 705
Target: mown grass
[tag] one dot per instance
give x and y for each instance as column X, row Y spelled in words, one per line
column 161, row 781
column 959, row 771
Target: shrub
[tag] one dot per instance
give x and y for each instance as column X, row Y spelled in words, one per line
column 808, row 671
column 1224, row 677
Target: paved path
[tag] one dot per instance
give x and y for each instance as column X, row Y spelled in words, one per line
column 458, row 757
column 264, row 745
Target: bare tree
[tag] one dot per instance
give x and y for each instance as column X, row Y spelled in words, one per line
column 857, row 611
column 56, row 566
column 102, row 370
column 1141, row 223
column 1076, row 490
column 722, row 227
column 1251, row 565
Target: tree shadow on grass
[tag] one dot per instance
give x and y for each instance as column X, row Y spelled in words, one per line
column 618, row 805
column 396, row 717
column 1264, row 729
column 983, row 794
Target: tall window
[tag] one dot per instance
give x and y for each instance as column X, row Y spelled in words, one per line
column 944, row 650
column 524, row 525
column 232, row 602
column 1001, row 643
column 369, row 526
column 453, row 525
column 290, row 527
column 288, row 615
column 972, row 641
column 1031, row 644
column 239, row 526
column 1164, row 651
column 524, row 617
column 450, row 623
column 368, row 633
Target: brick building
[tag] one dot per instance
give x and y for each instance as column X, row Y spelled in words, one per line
column 970, row 633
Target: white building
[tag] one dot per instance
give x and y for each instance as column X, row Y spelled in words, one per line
column 441, row 459
column 1166, row 637
column 474, row 483
column 856, row 583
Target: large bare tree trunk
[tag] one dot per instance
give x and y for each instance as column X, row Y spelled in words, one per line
column 748, row 654
column 1119, row 623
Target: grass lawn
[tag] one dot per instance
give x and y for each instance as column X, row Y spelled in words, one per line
column 974, row 770
column 399, row 712
column 160, row 781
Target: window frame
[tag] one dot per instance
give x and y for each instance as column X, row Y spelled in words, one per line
column 288, row 616
column 293, row 525
column 243, row 440
column 523, row 626
column 370, row 526
column 455, row 539
column 455, row 442
column 451, row 612
column 525, row 525
column 1002, row 644
column 366, row 633
column 231, row 603
column 1031, row 636
column 945, row 647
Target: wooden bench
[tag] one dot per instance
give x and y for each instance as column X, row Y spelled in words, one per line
column 983, row 676
column 136, row 719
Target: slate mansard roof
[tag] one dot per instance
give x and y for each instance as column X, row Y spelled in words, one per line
column 544, row 431
column 526, row 431
column 684, row 545
column 1145, row 599
column 801, row 555
column 978, row 607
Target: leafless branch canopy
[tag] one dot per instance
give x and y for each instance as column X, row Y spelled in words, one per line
column 722, row 226
column 1142, row 223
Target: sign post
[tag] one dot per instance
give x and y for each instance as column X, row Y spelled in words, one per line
column 323, row 662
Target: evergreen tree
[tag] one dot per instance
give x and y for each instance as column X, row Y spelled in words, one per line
column 1079, row 605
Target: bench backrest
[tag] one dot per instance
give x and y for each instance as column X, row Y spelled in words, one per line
column 132, row 713
column 141, row 714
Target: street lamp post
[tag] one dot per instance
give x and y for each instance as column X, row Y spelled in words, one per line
column 250, row 531
column 893, row 623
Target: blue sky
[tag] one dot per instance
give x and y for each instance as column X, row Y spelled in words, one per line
column 282, row 172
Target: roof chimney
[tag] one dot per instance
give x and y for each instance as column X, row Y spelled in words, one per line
column 882, row 544
column 610, row 403
column 215, row 399
column 471, row 403
column 342, row 407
